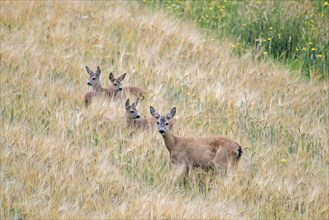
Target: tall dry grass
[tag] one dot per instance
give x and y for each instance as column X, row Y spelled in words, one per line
column 62, row 160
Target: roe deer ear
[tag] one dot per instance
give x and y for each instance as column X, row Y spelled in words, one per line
column 154, row 113
column 136, row 102
column 98, row 71
column 111, row 77
column 89, row 71
column 127, row 104
column 122, row 77
column 171, row 113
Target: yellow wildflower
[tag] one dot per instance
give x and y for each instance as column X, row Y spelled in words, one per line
column 271, row 28
column 304, row 49
column 313, row 49
column 265, row 53
column 269, row 39
column 283, row 161
column 310, row 43
column 325, row 4
column 297, row 49
column 211, row 8
column 320, row 55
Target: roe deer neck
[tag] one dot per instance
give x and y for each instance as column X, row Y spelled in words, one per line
column 170, row 140
column 129, row 121
column 97, row 87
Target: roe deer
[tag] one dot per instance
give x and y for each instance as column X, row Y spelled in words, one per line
column 133, row 90
column 134, row 119
column 95, row 82
column 204, row 152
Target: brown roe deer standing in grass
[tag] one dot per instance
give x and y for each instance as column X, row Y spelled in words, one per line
column 95, row 82
column 134, row 119
column 204, row 152
column 133, row 90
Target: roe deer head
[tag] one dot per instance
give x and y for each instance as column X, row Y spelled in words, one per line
column 94, row 80
column 133, row 90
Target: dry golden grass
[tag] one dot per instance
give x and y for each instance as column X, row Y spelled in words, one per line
column 62, row 160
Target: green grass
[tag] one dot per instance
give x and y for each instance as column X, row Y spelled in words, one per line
column 292, row 32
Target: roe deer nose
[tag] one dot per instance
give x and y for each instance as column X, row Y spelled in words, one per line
column 161, row 131
column 120, row 89
column 88, row 83
column 138, row 116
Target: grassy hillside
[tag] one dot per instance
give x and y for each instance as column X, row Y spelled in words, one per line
column 294, row 33
column 62, row 160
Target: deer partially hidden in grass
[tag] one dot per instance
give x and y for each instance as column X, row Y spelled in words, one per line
column 133, row 118
column 133, row 90
column 205, row 152
column 98, row 90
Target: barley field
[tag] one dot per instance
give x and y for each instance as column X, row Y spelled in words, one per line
column 62, row 160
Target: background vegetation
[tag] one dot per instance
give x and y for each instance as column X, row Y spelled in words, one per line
column 295, row 33
column 62, row 160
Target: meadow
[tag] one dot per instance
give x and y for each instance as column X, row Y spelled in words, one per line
column 294, row 33
column 60, row 159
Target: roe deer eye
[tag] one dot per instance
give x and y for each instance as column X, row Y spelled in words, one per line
column 167, row 123
column 158, row 122
column 93, row 78
column 115, row 84
column 132, row 112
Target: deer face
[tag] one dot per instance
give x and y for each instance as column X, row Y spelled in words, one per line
column 162, row 121
column 116, row 83
column 131, row 110
column 93, row 76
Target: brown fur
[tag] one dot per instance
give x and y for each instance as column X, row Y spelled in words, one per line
column 106, row 93
column 146, row 122
column 204, row 152
column 135, row 91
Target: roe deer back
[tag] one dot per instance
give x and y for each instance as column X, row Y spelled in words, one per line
column 134, row 119
column 98, row 90
column 133, row 90
column 204, row 152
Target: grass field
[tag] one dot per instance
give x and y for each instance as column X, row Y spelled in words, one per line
column 62, row 160
column 294, row 33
